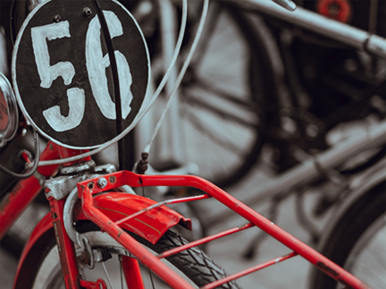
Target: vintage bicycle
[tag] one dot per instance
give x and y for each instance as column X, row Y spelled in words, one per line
column 94, row 212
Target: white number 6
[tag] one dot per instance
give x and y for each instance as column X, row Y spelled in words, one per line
column 97, row 63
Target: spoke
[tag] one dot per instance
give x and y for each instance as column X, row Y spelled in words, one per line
column 241, row 120
column 212, row 20
column 241, row 100
column 228, row 145
column 151, row 279
column 121, row 270
column 107, row 275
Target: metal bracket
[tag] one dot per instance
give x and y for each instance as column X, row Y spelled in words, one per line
column 60, row 187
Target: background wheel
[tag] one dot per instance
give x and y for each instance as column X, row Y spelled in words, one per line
column 357, row 242
column 221, row 99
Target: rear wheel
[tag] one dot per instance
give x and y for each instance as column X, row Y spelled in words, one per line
column 193, row 264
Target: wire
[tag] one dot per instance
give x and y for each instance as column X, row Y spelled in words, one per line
column 181, row 75
column 141, row 114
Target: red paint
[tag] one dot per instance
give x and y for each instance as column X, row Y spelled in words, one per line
column 66, row 249
column 150, row 225
column 132, row 211
column 51, row 152
column 140, row 252
column 132, row 273
column 99, row 284
column 339, row 10
column 135, row 180
column 23, row 193
column 16, row 201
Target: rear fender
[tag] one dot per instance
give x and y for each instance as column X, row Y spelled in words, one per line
column 150, row 225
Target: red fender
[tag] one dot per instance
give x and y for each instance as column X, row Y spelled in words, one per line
column 150, row 225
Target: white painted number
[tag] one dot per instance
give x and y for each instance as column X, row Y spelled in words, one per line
column 96, row 64
column 47, row 72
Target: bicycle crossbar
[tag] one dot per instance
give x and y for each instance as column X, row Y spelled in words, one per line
column 315, row 22
column 115, row 180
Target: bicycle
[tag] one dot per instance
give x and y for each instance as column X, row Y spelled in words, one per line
column 79, row 241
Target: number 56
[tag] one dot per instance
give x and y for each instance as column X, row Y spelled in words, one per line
column 96, row 64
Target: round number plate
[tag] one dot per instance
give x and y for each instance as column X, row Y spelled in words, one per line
column 62, row 74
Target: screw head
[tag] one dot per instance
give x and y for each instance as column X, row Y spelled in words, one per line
column 57, row 18
column 87, row 12
column 102, row 182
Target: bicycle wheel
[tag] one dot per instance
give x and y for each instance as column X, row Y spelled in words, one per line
column 195, row 265
column 357, row 242
column 221, row 99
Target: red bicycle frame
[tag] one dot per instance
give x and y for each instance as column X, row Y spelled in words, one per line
column 25, row 191
column 88, row 188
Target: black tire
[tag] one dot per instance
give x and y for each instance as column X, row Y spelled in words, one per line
column 222, row 98
column 192, row 263
column 357, row 242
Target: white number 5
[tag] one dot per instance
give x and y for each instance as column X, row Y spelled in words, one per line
column 48, row 73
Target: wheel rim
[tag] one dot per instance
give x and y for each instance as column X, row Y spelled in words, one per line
column 367, row 260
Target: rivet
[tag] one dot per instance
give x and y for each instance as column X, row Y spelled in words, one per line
column 112, row 179
column 87, row 12
column 56, row 18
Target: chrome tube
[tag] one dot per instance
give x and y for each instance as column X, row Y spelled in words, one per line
column 317, row 23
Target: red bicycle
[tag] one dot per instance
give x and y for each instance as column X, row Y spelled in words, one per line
column 71, row 58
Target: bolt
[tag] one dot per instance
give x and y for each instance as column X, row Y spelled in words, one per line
column 102, row 182
column 87, row 12
column 56, row 18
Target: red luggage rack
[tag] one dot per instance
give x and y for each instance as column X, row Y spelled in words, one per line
column 87, row 188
